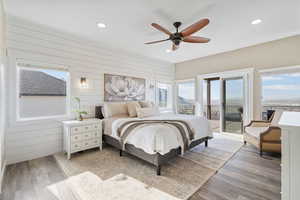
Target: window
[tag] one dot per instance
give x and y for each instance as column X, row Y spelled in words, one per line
column 186, row 97
column 280, row 91
column 42, row 92
column 164, row 95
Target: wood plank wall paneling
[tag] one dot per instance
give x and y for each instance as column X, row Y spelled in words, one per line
column 26, row 141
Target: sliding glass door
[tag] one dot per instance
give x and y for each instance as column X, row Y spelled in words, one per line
column 232, row 104
column 226, row 100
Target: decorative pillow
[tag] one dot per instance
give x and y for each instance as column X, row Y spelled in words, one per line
column 146, row 104
column 132, row 106
column 147, row 112
column 113, row 109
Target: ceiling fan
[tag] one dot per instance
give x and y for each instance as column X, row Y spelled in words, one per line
column 184, row 35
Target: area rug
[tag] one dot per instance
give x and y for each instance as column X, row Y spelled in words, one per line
column 181, row 177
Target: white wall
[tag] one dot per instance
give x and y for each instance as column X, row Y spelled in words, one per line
column 2, row 92
column 28, row 140
column 279, row 53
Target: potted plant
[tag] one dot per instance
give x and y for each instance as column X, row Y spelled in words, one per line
column 79, row 111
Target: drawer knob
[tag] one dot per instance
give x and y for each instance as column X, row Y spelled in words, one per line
column 76, row 129
column 86, row 135
column 86, row 143
column 76, row 145
column 86, row 127
column 76, row 137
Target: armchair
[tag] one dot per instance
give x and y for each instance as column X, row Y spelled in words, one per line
column 265, row 135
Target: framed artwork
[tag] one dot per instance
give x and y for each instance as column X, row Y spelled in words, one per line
column 124, row 88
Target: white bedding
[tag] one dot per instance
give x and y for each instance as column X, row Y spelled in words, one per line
column 160, row 137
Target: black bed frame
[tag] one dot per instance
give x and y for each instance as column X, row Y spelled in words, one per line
column 156, row 159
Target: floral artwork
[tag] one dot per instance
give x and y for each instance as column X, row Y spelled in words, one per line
column 123, row 88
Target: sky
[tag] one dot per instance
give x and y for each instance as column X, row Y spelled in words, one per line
column 58, row 74
column 187, row 90
column 281, row 87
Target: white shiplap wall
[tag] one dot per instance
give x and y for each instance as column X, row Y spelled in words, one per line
column 29, row 140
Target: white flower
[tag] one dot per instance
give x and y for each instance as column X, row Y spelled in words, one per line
column 125, row 88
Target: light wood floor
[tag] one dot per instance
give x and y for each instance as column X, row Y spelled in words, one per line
column 246, row 176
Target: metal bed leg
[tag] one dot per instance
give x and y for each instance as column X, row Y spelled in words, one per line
column 158, row 169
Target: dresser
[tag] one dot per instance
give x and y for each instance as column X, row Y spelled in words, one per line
column 82, row 135
column 290, row 171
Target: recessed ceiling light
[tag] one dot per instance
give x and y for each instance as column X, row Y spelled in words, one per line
column 168, row 51
column 101, row 25
column 257, row 21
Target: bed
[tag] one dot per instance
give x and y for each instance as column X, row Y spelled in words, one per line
column 155, row 139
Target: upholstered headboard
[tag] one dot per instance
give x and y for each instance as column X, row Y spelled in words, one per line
column 98, row 112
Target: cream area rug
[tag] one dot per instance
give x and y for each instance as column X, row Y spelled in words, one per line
column 87, row 186
column 181, row 177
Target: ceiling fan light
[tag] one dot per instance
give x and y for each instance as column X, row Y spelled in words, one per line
column 101, row 25
column 256, row 21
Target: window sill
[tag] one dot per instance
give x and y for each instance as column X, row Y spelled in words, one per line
column 166, row 110
column 43, row 119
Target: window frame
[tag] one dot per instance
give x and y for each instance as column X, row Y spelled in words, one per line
column 170, row 107
column 177, row 91
column 41, row 66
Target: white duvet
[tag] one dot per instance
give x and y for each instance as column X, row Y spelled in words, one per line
column 161, row 138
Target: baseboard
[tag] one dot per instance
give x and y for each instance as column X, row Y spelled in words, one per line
column 2, row 175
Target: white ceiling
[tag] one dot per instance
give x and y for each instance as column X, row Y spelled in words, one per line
column 128, row 22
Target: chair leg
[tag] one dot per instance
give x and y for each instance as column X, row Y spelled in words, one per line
column 206, row 143
column 245, row 142
column 261, row 153
column 158, row 169
column 121, row 153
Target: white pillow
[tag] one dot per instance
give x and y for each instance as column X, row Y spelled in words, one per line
column 146, row 104
column 113, row 109
column 147, row 112
column 132, row 106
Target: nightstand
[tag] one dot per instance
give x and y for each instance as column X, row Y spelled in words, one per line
column 82, row 135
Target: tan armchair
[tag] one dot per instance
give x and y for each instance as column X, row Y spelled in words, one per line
column 265, row 135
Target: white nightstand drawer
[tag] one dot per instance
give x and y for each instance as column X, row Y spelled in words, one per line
column 86, row 144
column 95, row 142
column 76, row 138
column 76, row 146
column 96, row 126
column 87, row 128
column 76, row 130
column 86, row 136
column 95, row 134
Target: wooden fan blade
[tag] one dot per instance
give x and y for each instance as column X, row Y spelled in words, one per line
column 195, row 39
column 175, row 47
column 160, row 28
column 194, row 27
column 153, row 42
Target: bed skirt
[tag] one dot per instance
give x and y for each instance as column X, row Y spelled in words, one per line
column 156, row 159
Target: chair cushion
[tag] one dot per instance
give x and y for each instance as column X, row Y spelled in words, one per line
column 256, row 131
column 276, row 117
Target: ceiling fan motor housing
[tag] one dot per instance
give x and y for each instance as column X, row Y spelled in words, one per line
column 176, row 38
